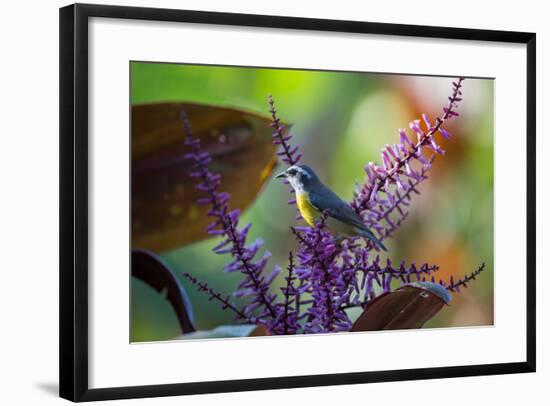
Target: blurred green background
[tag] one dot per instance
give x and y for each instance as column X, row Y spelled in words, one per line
column 341, row 120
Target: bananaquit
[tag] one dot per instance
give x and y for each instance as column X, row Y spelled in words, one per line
column 314, row 198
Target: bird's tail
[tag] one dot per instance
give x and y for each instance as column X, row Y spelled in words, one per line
column 365, row 232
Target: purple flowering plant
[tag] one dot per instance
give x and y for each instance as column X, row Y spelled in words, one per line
column 326, row 276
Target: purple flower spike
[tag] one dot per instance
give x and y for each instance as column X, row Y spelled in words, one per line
column 225, row 302
column 329, row 281
column 226, row 225
column 383, row 197
column 288, row 312
column 290, row 155
column 454, row 286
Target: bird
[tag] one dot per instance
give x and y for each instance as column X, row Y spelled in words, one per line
column 314, row 198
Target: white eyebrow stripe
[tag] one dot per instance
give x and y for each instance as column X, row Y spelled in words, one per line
column 301, row 170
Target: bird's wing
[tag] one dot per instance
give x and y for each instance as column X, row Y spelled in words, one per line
column 325, row 199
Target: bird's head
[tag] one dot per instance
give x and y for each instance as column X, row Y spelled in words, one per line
column 300, row 177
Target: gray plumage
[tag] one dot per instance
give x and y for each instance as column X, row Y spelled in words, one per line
column 325, row 200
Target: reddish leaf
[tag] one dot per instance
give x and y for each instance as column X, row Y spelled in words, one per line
column 164, row 210
column 407, row 307
column 260, row 331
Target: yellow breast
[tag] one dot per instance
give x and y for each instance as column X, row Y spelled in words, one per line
column 307, row 210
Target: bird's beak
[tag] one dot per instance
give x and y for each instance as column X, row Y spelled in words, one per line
column 281, row 175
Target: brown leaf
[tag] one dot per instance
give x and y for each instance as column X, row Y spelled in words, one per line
column 405, row 308
column 164, row 210
column 260, row 331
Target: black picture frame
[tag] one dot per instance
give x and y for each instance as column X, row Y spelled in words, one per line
column 74, row 200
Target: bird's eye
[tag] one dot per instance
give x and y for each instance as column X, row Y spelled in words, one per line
column 292, row 172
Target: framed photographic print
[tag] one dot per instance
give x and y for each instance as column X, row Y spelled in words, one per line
column 352, row 202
